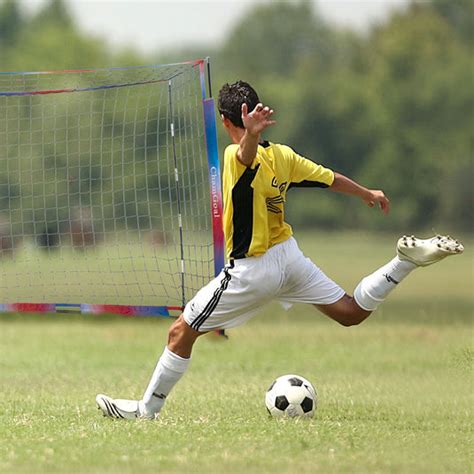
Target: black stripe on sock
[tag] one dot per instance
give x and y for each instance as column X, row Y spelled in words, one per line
column 161, row 396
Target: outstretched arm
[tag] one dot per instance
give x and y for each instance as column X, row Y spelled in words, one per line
column 254, row 122
column 371, row 197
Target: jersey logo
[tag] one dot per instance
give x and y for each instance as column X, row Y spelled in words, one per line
column 281, row 186
column 272, row 202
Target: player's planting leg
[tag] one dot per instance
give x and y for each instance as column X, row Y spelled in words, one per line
column 411, row 253
column 170, row 368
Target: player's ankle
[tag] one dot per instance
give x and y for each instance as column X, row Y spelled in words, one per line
column 146, row 411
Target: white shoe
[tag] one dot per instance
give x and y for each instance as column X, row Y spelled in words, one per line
column 425, row 252
column 120, row 409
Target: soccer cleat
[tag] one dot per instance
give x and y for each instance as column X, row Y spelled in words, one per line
column 424, row 252
column 119, row 409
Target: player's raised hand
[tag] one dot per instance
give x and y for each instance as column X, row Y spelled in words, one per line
column 258, row 119
column 378, row 196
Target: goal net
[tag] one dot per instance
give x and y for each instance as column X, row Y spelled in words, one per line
column 109, row 189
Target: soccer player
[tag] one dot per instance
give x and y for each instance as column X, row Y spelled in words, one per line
column 264, row 261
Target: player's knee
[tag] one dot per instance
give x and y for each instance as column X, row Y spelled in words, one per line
column 351, row 321
column 354, row 317
column 176, row 330
column 181, row 331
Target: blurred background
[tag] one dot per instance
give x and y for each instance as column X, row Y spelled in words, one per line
column 379, row 90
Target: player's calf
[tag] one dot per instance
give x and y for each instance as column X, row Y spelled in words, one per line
column 345, row 311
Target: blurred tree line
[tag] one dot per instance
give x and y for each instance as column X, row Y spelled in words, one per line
column 391, row 107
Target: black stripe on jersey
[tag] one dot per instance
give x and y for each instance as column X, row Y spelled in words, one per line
column 213, row 302
column 308, row 184
column 242, row 220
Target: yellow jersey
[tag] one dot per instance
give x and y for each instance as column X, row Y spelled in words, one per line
column 254, row 196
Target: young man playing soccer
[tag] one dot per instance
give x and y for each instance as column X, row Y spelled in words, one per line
column 265, row 262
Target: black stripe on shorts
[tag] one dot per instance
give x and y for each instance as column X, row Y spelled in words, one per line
column 213, row 302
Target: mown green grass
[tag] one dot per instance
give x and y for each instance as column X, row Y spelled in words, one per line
column 395, row 394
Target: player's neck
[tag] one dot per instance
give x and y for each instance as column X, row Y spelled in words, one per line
column 236, row 134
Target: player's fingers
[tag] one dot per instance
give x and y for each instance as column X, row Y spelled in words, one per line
column 370, row 203
column 258, row 107
column 385, row 206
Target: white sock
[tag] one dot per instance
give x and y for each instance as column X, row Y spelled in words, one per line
column 169, row 369
column 374, row 288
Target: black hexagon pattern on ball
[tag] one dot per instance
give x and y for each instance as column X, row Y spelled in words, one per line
column 307, row 404
column 281, row 402
column 295, row 382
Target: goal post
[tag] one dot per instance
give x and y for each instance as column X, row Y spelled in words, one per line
column 110, row 194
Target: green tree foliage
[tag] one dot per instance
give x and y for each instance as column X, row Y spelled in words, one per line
column 48, row 40
column 10, row 23
column 392, row 108
column 460, row 15
column 420, row 70
column 275, row 39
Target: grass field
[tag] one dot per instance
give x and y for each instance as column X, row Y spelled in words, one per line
column 395, row 393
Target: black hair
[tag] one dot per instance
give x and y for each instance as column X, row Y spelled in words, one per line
column 231, row 98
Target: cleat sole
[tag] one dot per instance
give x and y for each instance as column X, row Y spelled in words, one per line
column 424, row 252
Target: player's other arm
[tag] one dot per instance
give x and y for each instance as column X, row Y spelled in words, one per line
column 371, row 197
column 254, row 122
column 304, row 172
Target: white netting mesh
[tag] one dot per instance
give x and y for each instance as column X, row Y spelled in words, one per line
column 88, row 197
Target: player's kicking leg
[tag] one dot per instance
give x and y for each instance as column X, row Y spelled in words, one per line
column 373, row 289
column 170, row 368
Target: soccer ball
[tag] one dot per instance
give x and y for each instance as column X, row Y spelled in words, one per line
column 291, row 396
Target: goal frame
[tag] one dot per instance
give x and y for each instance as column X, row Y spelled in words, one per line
column 215, row 191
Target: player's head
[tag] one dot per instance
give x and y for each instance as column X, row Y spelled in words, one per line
column 231, row 98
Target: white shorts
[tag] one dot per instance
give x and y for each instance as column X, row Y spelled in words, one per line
column 283, row 274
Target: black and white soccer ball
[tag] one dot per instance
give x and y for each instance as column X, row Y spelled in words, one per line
column 291, row 396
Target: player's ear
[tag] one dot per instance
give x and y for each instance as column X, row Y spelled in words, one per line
column 226, row 122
